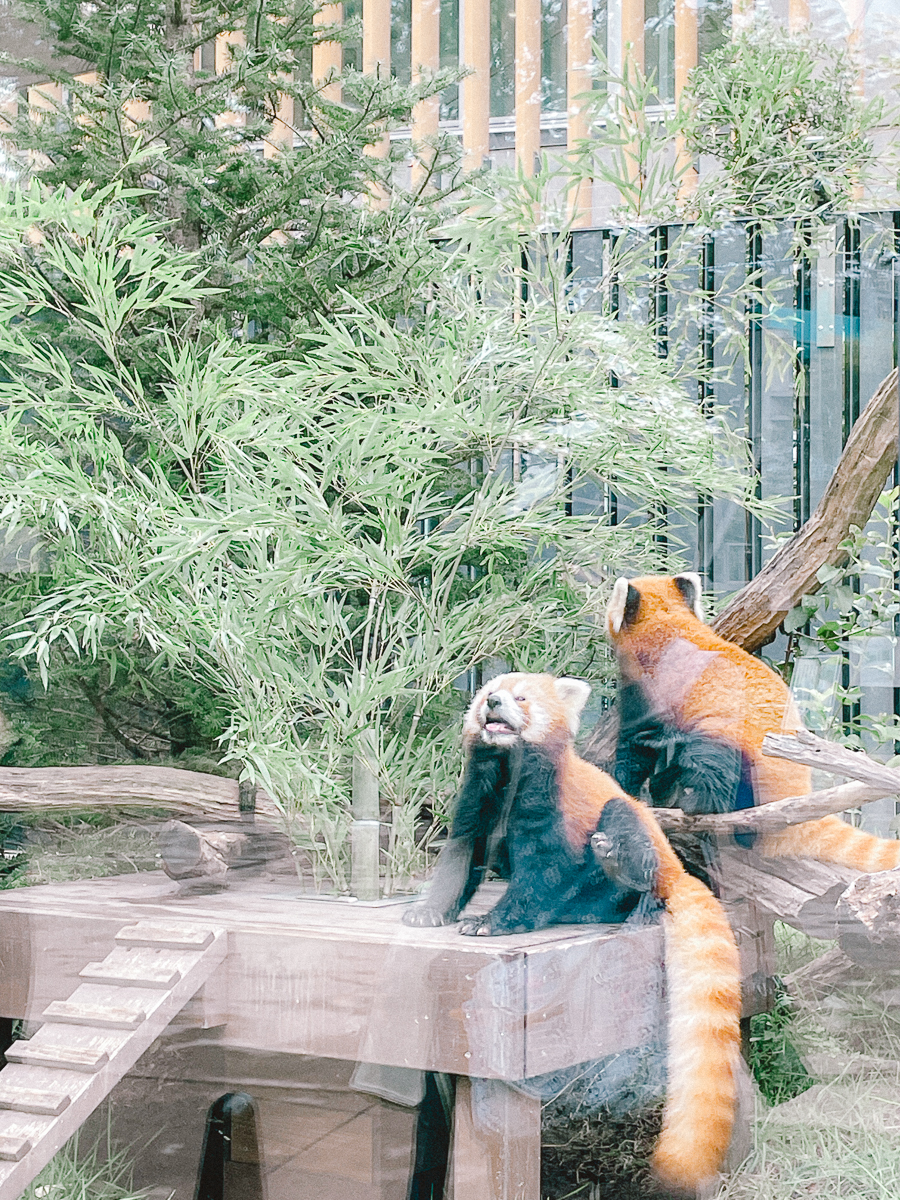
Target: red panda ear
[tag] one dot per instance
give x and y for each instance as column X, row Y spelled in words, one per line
column 623, row 605
column 573, row 695
column 688, row 583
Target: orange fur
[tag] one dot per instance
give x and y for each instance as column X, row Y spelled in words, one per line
column 702, row 965
column 707, row 684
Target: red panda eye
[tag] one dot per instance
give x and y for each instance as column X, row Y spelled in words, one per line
column 519, row 699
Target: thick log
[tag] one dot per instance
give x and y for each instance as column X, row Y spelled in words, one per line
column 869, row 920
column 753, row 616
column 769, row 818
column 805, row 747
column 189, row 853
column 126, row 788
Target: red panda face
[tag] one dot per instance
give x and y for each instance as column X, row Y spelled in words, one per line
column 535, row 708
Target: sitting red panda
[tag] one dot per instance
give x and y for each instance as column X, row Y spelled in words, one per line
column 528, row 801
column 694, row 711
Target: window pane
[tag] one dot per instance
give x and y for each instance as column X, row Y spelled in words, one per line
column 713, row 26
column 659, row 45
column 553, row 56
column 503, row 57
column 401, row 37
column 450, row 57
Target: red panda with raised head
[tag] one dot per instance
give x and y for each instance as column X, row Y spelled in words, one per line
column 529, row 801
column 694, row 711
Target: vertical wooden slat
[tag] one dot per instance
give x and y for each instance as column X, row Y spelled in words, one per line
column 633, row 32
column 798, row 15
column 327, row 57
column 528, row 83
column 224, row 62
column 578, row 83
column 426, row 54
column 281, row 135
column 376, row 52
column 741, row 15
column 685, row 61
column 475, row 16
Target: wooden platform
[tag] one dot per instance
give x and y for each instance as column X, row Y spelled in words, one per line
column 349, row 981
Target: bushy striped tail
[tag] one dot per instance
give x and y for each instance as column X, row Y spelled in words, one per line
column 832, row 840
column 703, row 981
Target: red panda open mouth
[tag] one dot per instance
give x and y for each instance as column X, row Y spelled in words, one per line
column 498, row 727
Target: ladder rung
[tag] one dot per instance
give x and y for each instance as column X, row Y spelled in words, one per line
column 164, row 937
column 69, row 1058
column 137, row 975
column 13, row 1148
column 27, row 1100
column 74, row 1013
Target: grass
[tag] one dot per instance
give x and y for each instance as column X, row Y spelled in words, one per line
column 80, row 848
column 839, row 1140
column 98, row 1174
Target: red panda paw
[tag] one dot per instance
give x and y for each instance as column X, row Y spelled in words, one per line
column 476, row 926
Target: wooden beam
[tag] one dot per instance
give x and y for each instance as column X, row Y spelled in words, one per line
column 328, row 57
column 528, row 83
column 579, row 30
column 779, row 814
column 127, row 788
column 753, row 616
column 475, row 89
column 426, row 56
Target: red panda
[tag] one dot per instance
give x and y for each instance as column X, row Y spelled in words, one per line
column 524, row 786
column 694, row 712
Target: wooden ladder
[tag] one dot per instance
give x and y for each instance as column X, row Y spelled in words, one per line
column 56, row 1079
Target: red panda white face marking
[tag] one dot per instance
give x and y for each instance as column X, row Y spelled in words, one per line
column 525, row 706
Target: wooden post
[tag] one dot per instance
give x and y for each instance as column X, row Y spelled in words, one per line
column 365, row 828
column 496, row 1146
column 578, row 83
column 476, row 88
column 328, row 57
column 685, row 61
column 376, row 53
column 528, row 83
column 798, row 15
column 281, row 135
column 633, row 33
column 426, row 53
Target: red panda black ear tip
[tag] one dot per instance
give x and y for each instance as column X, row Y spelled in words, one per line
column 691, row 587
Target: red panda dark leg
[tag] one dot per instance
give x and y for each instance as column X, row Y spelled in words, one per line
column 461, row 862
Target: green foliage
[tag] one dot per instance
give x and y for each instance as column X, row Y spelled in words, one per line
column 324, row 543
column 774, row 1061
column 848, row 629
column 73, row 1174
column 284, row 231
column 781, row 116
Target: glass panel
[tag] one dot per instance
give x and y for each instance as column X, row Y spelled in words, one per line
column 450, row 57
column 713, row 26
column 659, row 46
column 352, row 56
column 553, row 55
column 401, row 37
column 503, row 58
